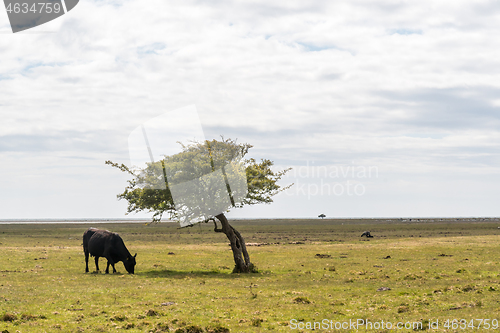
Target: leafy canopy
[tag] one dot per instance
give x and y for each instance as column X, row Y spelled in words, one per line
column 203, row 180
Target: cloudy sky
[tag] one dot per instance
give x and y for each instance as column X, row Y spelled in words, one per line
column 383, row 108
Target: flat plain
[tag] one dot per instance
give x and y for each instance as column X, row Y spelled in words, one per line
column 311, row 272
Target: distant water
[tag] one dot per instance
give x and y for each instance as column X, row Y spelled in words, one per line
column 73, row 221
column 347, row 220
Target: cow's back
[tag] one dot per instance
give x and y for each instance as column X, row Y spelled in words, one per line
column 99, row 241
column 106, row 241
column 86, row 238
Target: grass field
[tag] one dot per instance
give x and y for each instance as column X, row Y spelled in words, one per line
column 309, row 270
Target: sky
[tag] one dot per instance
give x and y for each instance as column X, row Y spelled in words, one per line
column 381, row 108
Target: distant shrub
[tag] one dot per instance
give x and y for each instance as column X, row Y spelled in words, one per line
column 26, row 316
column 301, row 300
column 151, row 313
column 119, row 317
column 162, row 327
column 217, row 329
column 257, row 322
column 403, row 309
column 129, row 326
column 468, row 288
column 189, row 329
column 9, row 317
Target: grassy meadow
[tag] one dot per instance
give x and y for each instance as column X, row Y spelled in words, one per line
column 424, row 271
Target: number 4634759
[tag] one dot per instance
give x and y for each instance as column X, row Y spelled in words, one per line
column 472, row 324
column 40, row 7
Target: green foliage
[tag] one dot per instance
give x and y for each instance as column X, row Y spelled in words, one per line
column 150, row 188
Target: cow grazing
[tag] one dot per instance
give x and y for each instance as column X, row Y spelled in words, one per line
column 367, row 234
column 103, row 243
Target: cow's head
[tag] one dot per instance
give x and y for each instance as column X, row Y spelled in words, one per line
column 129, row 264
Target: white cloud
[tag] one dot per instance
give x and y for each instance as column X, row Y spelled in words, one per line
column 409, row 86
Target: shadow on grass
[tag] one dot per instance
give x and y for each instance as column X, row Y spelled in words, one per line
column 167, row 273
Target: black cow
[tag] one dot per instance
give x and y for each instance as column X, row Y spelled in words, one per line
column 103, row 243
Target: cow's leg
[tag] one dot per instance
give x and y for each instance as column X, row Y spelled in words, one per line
column 112, row 265
column 86, row 261
column 97, row 263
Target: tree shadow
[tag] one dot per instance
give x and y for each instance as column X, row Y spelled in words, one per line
column 214, row 273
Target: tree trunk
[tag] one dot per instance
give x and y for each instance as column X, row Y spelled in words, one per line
column 240, row 254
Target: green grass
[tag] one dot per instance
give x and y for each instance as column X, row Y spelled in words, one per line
column 437, row 270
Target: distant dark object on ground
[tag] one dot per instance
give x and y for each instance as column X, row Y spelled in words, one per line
column 322, row 216
column 104, row 243
column 167, row 303
column 383, row 289
column 367, row 234
column 323, row 255
column 388, row 257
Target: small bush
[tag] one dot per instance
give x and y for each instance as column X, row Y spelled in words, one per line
column 251, row 269
column 119, row 317
column 189, row 329
column 217, row 329
column 301, row 300
column 9, row 317
column 403, row 309
column 468, row 288
column 257, row 322
column 151, row 313
column 26, row 316
column 129, row 326
column 162, row 327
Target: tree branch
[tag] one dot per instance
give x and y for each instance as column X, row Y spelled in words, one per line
column 215, row 227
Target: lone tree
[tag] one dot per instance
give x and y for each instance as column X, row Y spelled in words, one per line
column 201, row 183
column 322, row 216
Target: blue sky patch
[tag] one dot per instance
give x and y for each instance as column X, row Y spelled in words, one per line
column 150, row 49
column 316, row 48
column 406, row 32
